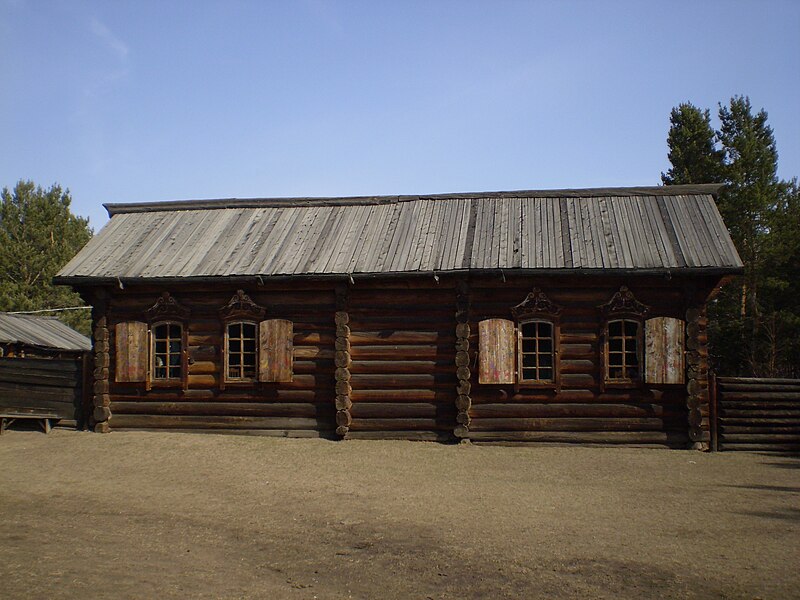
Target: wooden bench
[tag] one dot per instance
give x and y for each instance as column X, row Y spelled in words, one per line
column 45, row 419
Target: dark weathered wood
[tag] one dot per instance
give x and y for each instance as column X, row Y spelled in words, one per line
column 609, row 411
column 223, row 409
column 568, row 424
column 671, row 439
column 210, row 422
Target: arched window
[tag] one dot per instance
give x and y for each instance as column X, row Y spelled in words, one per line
column 623, row 344
column 166, row 351
column 536, row 352
column 624, row 350
column 241, row 351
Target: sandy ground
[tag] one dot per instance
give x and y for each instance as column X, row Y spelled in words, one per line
column 169, row 515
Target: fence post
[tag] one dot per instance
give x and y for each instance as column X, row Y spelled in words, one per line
column 713, row 411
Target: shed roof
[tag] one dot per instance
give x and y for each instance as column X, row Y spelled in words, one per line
column 42, row 332
column 649, row 229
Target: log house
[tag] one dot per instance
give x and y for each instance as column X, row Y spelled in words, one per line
column 566, row 316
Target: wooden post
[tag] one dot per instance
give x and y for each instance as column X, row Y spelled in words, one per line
column 463, row 400
column 343, row 362
column 101, row 399
column 697, row 387
column 713, row 413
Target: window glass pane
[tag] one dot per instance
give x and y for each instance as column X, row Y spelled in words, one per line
column 160, row 373
column 545, row 360
column 546, row 330
column 528, row 330
column 249, row 330
column 631, row 328
column 234, row 346
column 234, row 330
column 235, row 359
column 546, row 345
column 546, row 374
column 615, row 328
column 161, row 347
column 631, row 359
column 175, row 331
column 175, row 359
column 175, row 346
column 528, row 360
column 160, row 331
column 249, row 345
column 528, row 345
column 615, row 358
column 529, row 374
column 615, row 345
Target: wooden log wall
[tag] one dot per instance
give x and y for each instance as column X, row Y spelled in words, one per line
column 582, row 409
column 758, row 414
column 301, row 407
column 396, row 358
column 402, row 343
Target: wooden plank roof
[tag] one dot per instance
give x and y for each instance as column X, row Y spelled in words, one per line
column 651, row 229
column 41, row 332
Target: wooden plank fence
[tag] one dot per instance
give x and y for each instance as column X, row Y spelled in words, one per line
column 756, row 414
column 45, row 387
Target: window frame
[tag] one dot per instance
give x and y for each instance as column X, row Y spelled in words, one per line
column 638, row 337
column 537, row 307
column 183, row 366
column 554, row 367
column 623, row 306
column 226, row 352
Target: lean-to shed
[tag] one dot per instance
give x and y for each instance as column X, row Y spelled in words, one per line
column 561, row 315
column 42, row 369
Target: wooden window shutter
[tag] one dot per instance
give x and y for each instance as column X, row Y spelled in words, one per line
column 664, row 350
column 276, row 350
column 131, row 351
column 497, row 345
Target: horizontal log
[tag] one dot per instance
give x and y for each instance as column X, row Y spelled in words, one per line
column 384, row 381
column 403, row 395
column 577, row 351
column 41, row 379
column 206, row 422
column 730, row 414
column 405, row 424
column 203, row 367
column 577, row 380
column 568, row 424
column 399, row 336
column 726, row 429
column 519, row 410
column 402, row 366
column 726, row 396
column 232, row 393
column 401, row 352
column 578, row 337
column 756, row 387
column 757, row 380
column 665, row 438
column 761, row 438
column 42, row 366
column 223, row 409
column 394, row 410
column 313, row 352
column 421, row 436
column 579, row 365
column 34, row 392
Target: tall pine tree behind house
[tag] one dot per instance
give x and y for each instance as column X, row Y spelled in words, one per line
column 754, row 326
column 39, row 235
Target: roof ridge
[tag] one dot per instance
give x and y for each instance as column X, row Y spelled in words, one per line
column 288, row 202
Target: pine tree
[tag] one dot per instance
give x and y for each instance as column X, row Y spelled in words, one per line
column 692, row 147
column 39, row 235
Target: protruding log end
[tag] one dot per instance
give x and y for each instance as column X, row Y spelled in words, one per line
column 461, row 431
column 102, row 427
column 342, row 318
column 342, row 430
column 343, row 418
column 101, row 413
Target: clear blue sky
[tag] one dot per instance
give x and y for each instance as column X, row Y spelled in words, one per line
column 145, row 100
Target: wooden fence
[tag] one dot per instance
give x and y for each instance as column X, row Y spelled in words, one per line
column 756, row 414
column 52, row 387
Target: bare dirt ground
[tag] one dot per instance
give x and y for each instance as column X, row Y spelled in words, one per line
column 169, row 515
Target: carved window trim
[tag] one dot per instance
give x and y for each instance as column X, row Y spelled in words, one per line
column 167, row 310
column 623, row 308
column 538, row 308
column 240, row 309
